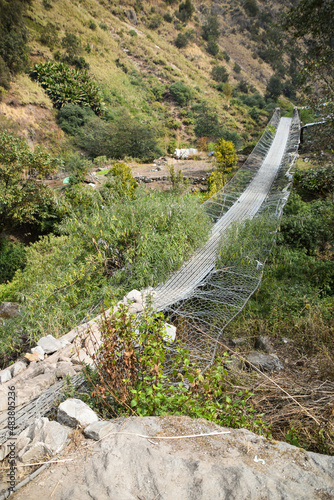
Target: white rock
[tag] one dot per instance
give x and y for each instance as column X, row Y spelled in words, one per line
column 99, row 429
column 49, row 344
column 134, row 296
column 5, row 375
column 170, row 333
column 74, row 412
column 64, row 369
column 43, row 437
column 17, row 368
column 136, row 308
column 38, row 350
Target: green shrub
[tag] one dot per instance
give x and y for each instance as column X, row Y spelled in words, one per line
column 219, row 74
column 72, row 117
column 65, row 85
column 103, row 27
column 185, row 12
column 225, row 156
column 181, row 93
column 138, row 244
column 181, row 40
column 155, row 22
column 237, row 68
column 92, row 25
column 211, row 27
column 49, row 35
column 120, row 184
column 71, row 43
column 212, row 47
column 168, row 18
column 12, row 258
column 274, row 87
column 207, row 122
column 13, row 34
column 4, row 75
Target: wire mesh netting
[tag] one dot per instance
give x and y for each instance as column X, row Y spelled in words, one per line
column 207, row 292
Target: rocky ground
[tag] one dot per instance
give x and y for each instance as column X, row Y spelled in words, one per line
column 148, row 459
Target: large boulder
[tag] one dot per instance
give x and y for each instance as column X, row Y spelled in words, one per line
column 265, row 362
column 134, row 462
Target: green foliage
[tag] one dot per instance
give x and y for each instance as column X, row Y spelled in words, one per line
column 237, row 68
column 104, row 249
column 13, row 34
column 4, row 75
column 225, row 156
column 49, row 35
column 121, row 184
column 155, row 22
column 130, row 376
column 71, row 117
column 215, row 183
column 168, row 18
column 309, row 225
column 219, row 74
column 315, row 182
column 12, row 258
column 92, row 25
column 251, row 7
column 65, row 85
column 212, row 47
column 211, row 27
column 185, row 12
column 207, row 122
column 24, row 200
column 274, row 87
column 71, row 43
column 182, row 40
column 181, row 93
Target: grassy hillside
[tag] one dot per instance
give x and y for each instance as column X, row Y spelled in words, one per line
column 132, row 55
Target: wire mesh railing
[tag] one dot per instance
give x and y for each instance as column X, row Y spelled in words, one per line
column 227, row 271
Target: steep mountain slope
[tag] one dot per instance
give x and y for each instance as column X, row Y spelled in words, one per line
column 131, row 53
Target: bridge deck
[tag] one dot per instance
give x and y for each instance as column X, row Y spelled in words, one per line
column 180, row 285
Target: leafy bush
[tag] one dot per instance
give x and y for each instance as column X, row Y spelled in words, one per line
column 211, row 28
column 65, row 85
column 23, row 200
column 12, row 258
column 181, row 40
column 215, row 183
column 168, row 18
column 49, row 35
column 315, row 182
column 71, row 117
column 207, row 122
column 274, row 87
column 71, row 43
column 130, row 379
column 181, row 93
column 4, row 75
column 212, row 47
column 155, row 22
column 13, row 34
column 225, row 156
column 121, row 184
column 138, row 244
column 237, row 68
column 185, row 12
column 219, row 74
column 251, row 7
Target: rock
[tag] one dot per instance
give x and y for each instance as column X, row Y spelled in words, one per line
column 134, row 296
column 131, row 15
column 136, row 308
column 32, row 357
column 9, row 309
column 5, row 375
column 17, row 368
column 74, row 412
column 39, row 351
column 170, row 333
column 98, row 430
column 65, row 369
column 263, row 344
column 42, row 438
column 232, row 466
column 239, row 341
column 265, row 362
column 49, row 344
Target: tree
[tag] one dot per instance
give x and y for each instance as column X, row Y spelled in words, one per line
column 181, row 93
column 211, row 28
column 312, row 21
column 225, row 155
column 219, row 74
column 186, row 10
column 274, row 87
column 24, row 199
